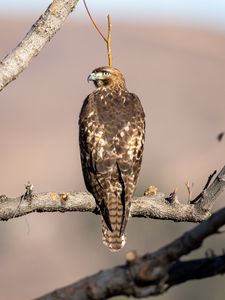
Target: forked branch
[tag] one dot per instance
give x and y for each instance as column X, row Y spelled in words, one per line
column 106, row 39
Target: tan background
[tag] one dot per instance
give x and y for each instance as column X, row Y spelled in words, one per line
column 179, row 74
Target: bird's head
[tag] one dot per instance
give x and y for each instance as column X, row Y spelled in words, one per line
column 107, row 77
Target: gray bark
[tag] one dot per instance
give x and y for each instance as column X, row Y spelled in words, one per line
column 40, row 33
column 156, row 206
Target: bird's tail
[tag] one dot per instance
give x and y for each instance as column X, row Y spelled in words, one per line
column 114, row 239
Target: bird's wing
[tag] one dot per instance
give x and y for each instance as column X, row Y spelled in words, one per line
column 129, row 148
column 111, row 153
column 97, row 156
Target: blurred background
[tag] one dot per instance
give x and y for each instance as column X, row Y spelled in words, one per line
column 172, row 53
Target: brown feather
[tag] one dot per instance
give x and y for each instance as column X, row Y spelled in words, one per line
column 111, row 136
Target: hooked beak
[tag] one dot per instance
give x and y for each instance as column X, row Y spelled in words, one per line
column 92, row 77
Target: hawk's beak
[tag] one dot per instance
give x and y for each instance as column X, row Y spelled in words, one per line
column 91, row 77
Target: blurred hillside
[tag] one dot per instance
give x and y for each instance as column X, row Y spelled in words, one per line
column 178, row 73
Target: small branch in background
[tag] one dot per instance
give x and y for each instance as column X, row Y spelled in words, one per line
column 109, row 51
column 93, row 21
column 106, row 39
column 39, row 35
column 220, row 136
column 190, row 190
column 154, row 273
column 209, row 180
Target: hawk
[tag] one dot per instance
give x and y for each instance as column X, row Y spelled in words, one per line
column 111, row 137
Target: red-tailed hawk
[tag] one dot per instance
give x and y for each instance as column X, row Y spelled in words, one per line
column 111, row 136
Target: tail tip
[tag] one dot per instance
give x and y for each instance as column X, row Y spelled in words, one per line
column 115, row 244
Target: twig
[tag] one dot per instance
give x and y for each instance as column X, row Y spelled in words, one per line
column 209, row 180
column 220, row 136
column 108, row 39
column 93, row 22
column 28, row 195
column 40, row 33
column 190, row 190
column 109, row 51
column 153, row 273
column 205, row 187
column 172, row 198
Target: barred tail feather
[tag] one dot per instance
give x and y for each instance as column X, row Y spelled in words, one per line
column 114, row 239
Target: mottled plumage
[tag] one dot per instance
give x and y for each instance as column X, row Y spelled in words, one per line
column 111, row 136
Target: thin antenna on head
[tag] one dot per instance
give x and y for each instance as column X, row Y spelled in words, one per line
column 108, row 39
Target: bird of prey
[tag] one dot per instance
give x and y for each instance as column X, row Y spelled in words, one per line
column 111, row 137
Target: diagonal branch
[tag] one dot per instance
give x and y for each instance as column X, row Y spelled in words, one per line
column 40, row 33
column 106, row 39
column 205, row 187
column 156, row 206
column 183, row 271
column 153, row 273
column 93, row 22
column 209, row 195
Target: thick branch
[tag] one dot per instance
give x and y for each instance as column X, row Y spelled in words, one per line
column 149, row 207
column 183, row 271
column 210, row 194
column 40, row 33
column 156, row 207
column 153, row 273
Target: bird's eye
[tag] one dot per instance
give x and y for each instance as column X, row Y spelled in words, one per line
column 106, row 73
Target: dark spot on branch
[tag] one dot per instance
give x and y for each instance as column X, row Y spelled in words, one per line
column 205, row 187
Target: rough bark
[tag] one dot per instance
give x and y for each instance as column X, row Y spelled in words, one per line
column 40, row 33
column 156, row 206
column 153, row 273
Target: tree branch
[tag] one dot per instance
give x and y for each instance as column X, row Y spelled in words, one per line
column 183, row 271
column 156, row 206
column 40, row 33
column 151, row 274
column 205, row 187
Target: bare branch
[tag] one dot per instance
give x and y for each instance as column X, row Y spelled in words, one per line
column 40, row 33
column 205, row 187
column 148, row 207
column 151, row 274
column 28, row 196
column 93, row 22
column 210, row 194
column 106, row 39
column 220, row 136
column 153, row 206
column 189, row 187
column 108, row 43
column 183, row 271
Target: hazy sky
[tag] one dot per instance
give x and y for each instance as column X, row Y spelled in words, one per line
column 205, row 12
